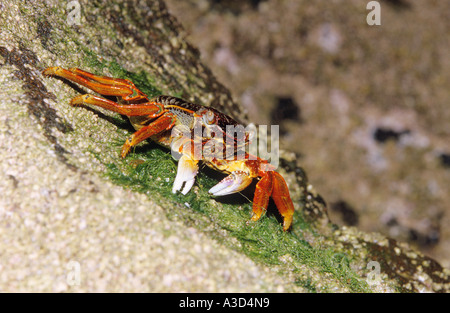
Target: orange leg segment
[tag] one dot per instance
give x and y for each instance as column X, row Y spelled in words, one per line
column 262, row 194
column 282, row 199
column 149, row 109
column 273, row 185
column 103, row 85
column 164, row 122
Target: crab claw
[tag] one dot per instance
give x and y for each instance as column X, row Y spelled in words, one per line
column 235, row 182
column 187, row 170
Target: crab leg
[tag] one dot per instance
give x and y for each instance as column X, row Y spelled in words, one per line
column 149, row 109
column 164, row 122
column 263, row 191
column 282, row 199
column 103, row 85
column 273, row 185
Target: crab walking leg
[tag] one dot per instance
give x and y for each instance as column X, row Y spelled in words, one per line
column 137, row 94
column 149, row 109
column 282, row 199
column 164, row 122
column 103, row 85
column 263, row 191
column 101, row 79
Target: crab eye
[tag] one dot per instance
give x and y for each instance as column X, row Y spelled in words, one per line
column 209, row 117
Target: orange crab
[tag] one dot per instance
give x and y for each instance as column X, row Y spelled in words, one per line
column 157, row 118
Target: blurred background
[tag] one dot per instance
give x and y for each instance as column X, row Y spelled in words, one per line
column 365, row 108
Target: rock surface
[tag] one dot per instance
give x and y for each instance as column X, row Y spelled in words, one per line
column 65, row 226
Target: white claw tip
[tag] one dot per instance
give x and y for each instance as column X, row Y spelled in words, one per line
column 234, row 182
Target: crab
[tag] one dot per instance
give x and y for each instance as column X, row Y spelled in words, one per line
column 166, row 119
